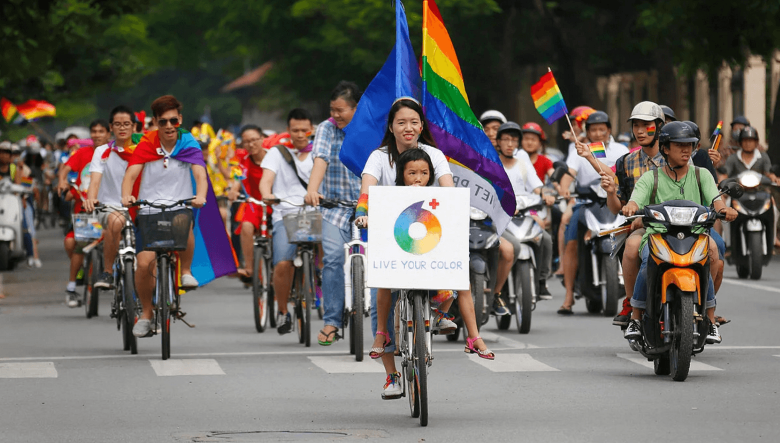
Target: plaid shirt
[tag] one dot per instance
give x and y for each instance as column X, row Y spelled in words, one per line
column 630, row 167
column 339, row 182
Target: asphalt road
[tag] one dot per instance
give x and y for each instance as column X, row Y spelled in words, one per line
column 572, row 379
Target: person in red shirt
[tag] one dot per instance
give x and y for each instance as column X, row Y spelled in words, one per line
column 79, row 163
column 533, row 143
column 252, row 141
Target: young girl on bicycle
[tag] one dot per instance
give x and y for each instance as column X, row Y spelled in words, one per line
column 405, row 128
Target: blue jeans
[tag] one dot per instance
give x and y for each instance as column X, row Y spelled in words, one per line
column 333, row 239
column 390, row 319
column 640, row 288
column 570, row 234
column 283, row 250
column 719, row 241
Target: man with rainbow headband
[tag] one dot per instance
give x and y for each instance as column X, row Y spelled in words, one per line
column 167, row 161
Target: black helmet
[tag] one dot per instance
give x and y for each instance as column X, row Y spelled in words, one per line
column 695, row 128
column 748, row 132
column 509, row 127
column 598, row 117
column 680, row 132
column 741, row 120
column 669, row 113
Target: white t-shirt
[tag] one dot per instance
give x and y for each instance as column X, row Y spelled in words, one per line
column 166, row 185
column 586, row 174
column 113, row 171
column 523, row 156
column 523, row 179
column 286, row 184
column 378, row 165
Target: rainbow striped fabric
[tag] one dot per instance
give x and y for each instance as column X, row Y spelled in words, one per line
column 717, row 136
column 598, row 150
column 35, row 109
column 548, row 98
column 7, row 109
column 718, row 129
column 458, row 133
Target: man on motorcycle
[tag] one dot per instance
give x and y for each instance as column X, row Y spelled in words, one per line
column 585, row 168
column 492, row 120
column 674, row 181
column 748, row 157
column 525, row 183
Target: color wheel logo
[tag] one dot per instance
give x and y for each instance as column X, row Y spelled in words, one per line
column 409, row 228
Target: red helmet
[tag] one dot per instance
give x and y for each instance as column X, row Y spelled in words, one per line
column 533, row 128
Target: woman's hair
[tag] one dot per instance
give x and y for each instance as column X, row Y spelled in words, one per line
column 349, row 91
column 389, row 138
column 411, row 155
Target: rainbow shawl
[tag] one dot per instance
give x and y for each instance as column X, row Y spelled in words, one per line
column 213, row 256
column 458, row 133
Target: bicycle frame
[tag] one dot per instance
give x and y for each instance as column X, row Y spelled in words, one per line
column 406, row 321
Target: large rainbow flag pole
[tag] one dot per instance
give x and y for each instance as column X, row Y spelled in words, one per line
column 459, row 135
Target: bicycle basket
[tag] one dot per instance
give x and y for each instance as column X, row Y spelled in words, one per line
column 86, row 227
column 303, row 227
column 164, row 231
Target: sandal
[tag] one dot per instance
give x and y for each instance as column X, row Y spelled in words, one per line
column 334, row 333
column 487, row 354
column 378, row 352
column 565, row 311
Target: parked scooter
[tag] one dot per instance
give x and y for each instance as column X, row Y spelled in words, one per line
column 753, row 232
column 11, row 231
column 677, row 272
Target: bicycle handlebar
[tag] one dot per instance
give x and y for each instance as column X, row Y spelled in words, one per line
column 185, row 202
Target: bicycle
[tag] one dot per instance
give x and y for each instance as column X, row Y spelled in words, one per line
column 415, row 346
column 125, row 304
column 165, row 233
column 357, row 296
column 86, row 228
column 263, row 298
column 304, row 229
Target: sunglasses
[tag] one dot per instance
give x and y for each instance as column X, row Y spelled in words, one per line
column 164, row 122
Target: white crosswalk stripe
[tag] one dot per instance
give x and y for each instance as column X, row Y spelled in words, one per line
column 41, row 369
column 640, row 360
column 513, row 363
column 169, row 368
column 346, row 364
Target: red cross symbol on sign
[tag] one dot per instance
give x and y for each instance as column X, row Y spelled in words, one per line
column 434, row 203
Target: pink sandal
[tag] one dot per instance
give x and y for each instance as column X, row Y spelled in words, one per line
column 378, row 352
column 470, row 349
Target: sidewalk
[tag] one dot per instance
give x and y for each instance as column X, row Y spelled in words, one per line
column 31, row 286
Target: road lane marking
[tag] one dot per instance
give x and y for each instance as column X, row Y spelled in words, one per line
column 504, row 341
column 171, row 368
column 734, row 281
column 44, row 369
column 695, row 365
column 513, row 363
column 346, row 364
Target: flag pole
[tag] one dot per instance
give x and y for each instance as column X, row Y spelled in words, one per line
column 40, row 131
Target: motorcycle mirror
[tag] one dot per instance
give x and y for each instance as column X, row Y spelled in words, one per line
column 733, row 190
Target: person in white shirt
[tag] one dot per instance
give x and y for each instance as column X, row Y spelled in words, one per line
column 106, row 173
column 587, row 171
column 281, row 180
column 525, row 183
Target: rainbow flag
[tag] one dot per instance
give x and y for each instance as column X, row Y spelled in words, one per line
column 716, row 136
column 598, row 150
column 213, row 255
column 717, row 129
column 458, row 132
column 548, row 98
column 7, row 109
column 35, row 109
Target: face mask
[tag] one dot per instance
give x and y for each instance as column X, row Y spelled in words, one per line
column 735, row 135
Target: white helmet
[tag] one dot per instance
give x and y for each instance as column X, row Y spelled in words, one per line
column 647, row 111
column 492, row 114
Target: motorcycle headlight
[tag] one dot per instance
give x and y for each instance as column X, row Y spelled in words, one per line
column 658, row 216
column 681, row 216
column 750, row 179
column 700, row 249
column 736, row 205
column 659, row 248
column 476, row 214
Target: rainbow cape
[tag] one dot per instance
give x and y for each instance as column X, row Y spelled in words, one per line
column 458, row 133
column 35, row 109
column 213, row 256
column 7, row 109
column 548, row 98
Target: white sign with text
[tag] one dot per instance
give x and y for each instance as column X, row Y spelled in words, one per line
column 418, row 238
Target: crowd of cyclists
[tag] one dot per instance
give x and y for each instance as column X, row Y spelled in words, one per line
column 649, row 164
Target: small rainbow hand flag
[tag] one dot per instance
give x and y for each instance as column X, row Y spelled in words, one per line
column 548, row 98
column 598, row 150
column 717, row 129
column 716, row 136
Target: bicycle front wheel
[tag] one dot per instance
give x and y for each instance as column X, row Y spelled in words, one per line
column 307, row 297
column 165, row 287
column 90, row 274
column 356, row 322
column 420, row 356
column 129, row 313
column 260, row 286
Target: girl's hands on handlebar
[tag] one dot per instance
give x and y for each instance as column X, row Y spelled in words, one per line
column 198, row 202
column 312, row 198
column 549, row 200
column 90, row 203
column 361, row 222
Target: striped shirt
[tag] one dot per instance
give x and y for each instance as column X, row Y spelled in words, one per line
column 339, row 182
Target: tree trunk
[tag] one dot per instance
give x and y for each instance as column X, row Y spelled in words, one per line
column 773, row 138
column 667, row 80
